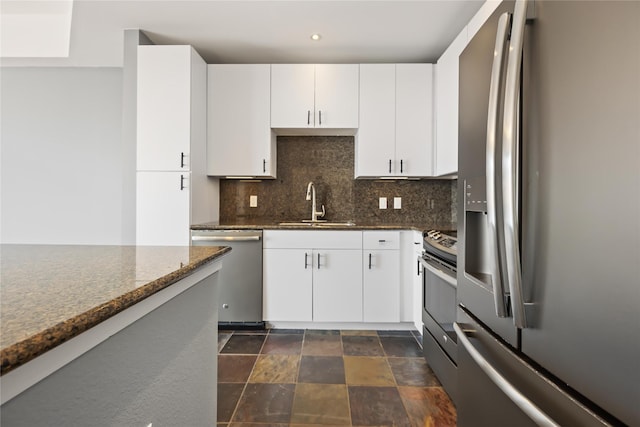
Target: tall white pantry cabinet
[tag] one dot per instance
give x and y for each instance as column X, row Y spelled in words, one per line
column 173, row 190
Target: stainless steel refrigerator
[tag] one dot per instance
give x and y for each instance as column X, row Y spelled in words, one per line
column 548, row 320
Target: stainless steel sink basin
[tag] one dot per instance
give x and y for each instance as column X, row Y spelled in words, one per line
column 318, row 224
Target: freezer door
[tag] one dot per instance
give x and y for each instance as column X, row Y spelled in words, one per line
column 498, row 388
column 581, row 250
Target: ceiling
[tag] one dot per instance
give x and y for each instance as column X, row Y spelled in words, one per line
column 266, row 31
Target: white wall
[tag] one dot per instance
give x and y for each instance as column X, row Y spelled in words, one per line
column 61, row 162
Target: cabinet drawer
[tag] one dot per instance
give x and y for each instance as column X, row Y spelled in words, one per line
column 381, row 240
column 312, row 239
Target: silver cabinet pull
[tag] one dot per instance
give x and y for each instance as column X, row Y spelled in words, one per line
column 526, row 405
column 318, row 260
column 181, row 182
column 510, row 154
column 308, row 117
column 497, row 77
column 369, row 261
column 320, row 117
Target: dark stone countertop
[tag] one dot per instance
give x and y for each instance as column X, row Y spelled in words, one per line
column 332, row 225
column 52, row 293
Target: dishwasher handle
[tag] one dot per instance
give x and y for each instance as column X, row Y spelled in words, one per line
column 254, row 238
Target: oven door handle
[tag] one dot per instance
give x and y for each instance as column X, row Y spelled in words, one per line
column 451, row 280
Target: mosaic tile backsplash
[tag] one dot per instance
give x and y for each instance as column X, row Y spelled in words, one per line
column 329, row 163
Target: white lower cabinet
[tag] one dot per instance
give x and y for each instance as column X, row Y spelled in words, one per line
column 288, row 287
column 337, row 285
column 334, row 276
column 381, row 277
column 312, row 276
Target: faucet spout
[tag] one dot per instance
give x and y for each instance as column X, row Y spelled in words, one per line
column 311, row 195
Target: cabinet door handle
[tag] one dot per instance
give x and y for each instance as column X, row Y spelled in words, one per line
column 401, row 166
column 320, row 117
column 264, row 165
column 389, row 165
column 308, row 117
column 381, row 241
column 305, row 260
column 182, row 160
column 181, row 182
column 318, row 260
column 369, row 261
column 418, row 262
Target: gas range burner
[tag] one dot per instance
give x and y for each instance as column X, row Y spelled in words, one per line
column 441, row 245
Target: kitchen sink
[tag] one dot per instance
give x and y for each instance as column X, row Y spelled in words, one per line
column 318, row 224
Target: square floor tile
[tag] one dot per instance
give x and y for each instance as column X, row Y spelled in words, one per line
column 235, row 368
column 325, row 404
column 244, row 344
column 265, row 403
column 256, row 425
column 377, row 406
column 413, row 371
column 357, row 332
column 322, row 345
column 428, row 406
column 395, row 334
column 322, row 332
column 401, row 347
column 283, row 344
column 321, row 369
column 362, row 346
column 286, row 331
column 374, row 371
column 228, row 396
column 222, row 340
column 275, row 368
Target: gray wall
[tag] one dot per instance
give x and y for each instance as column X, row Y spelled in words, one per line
column 62, row 156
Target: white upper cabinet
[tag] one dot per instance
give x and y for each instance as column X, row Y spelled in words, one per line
column 446, row 150
column 164, row 119
column 307, row 96
column 447, row 72
column 395, row 136
column 240, row 141
column 375, row 141
column 414, row 119
column 336, row 96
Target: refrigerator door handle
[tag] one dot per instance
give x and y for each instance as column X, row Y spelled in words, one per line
column 510, row 163
column 526, row 405
column 497, row 77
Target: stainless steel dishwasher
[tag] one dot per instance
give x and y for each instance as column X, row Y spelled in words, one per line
column 240, row 295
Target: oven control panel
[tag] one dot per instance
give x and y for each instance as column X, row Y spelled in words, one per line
column 441, row 241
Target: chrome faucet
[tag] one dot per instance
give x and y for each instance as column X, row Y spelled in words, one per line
column 311, row 195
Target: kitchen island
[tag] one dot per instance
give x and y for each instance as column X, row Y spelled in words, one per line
column 108, row 335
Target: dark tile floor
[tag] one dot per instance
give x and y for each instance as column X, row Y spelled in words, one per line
column 327, row 377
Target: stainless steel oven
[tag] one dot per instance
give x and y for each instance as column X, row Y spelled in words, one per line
column 439, row 287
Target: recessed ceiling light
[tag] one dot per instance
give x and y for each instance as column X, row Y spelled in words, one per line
column 315, row 37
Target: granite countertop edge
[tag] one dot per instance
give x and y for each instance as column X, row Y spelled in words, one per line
column 28, row 349
column 276, row 226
